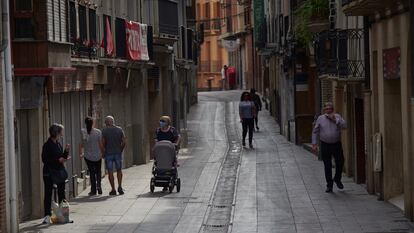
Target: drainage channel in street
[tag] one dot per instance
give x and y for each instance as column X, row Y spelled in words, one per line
column 219, row 213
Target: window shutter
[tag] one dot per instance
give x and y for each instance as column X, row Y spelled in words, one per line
column 63, row 20
column 50, row 20
column 56, row 19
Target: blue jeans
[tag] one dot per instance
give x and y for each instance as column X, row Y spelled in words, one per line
column 111, row 159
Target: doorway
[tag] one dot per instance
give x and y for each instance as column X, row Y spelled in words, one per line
column 24, row 163
column 360, row 141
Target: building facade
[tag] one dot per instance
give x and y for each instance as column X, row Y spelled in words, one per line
column 359, row 57
column 238, row 30
column 84, row 63
column 388, row 100
column 212, row 54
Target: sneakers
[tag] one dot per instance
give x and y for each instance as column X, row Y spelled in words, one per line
column 46, row 220
column 120, row 191
column 112, row 193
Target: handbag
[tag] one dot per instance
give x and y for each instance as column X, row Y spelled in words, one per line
column 58, row 176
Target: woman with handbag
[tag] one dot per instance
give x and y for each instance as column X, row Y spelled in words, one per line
column 54, row 172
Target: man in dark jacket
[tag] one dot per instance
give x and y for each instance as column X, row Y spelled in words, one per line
column 258, row 104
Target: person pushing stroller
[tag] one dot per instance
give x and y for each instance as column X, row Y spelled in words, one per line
column 166, row 137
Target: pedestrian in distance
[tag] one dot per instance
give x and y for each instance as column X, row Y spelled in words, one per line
column 113, row 144
column 328, row 129
column 224, row 77
column 258, row 104
column 91, row 150
column 247, row 113
column 54, row 172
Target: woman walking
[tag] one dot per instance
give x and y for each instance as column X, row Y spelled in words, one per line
column 247, row 112
column 54, row 172
column 91, row 151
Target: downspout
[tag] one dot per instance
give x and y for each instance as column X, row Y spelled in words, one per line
column 9, row 121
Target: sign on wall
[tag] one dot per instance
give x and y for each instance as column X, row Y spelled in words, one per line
column 136, row 41
column 392, row 63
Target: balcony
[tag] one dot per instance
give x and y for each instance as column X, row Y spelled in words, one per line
column 210, row 66
column 340, row 54
column 84, row 49
column 367, row 7
column 212, row 25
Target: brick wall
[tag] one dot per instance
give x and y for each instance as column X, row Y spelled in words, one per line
column 2, row 167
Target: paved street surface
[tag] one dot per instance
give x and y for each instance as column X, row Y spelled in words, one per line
column 277, row 187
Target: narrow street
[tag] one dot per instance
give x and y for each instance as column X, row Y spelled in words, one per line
column 276, row 187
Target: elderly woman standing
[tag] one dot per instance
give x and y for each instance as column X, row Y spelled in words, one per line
column 54, row 172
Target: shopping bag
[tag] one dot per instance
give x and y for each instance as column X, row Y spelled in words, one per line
column 64, row 207
column 57, row 215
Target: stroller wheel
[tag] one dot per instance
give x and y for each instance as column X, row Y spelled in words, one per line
column 178, row 185
column 171, row 187
column 152, row 187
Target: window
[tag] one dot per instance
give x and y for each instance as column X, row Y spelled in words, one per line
column 92, row 26
column 207, row 10
column 83, row 30
column 23, row 28
column 72, row 22
column 24, row 5
column 198, row 16
column 247, row 16
column 23, row 20
column 56, row 20
column 168, row 17
column 120, row 34
column 217, row 10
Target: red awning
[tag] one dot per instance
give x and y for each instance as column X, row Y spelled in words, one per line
column 43, row 71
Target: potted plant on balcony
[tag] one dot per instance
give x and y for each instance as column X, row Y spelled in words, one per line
column 311, row 17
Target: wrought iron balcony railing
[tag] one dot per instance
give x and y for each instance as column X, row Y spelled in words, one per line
column 340, row 53
column 367, row 7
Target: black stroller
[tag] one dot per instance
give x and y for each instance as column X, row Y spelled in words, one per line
column 164, row 169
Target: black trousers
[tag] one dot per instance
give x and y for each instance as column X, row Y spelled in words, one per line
column 256, row 120
column 248, row 125
column 329, row 150
column 95, row 174
column 49, row 192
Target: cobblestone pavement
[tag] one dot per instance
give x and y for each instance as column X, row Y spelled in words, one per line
column 279, row 188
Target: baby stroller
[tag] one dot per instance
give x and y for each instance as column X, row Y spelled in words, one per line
column 164, row 169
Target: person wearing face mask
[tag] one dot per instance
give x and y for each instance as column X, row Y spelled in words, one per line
column 328, row 128
column 167, row 132
column 54, row 172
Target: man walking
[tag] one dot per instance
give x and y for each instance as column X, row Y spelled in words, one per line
column 113, row 142
column 258, row 105
column 224, row 77
column 328, row 129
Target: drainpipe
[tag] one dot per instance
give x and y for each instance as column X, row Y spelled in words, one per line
column 9, row 121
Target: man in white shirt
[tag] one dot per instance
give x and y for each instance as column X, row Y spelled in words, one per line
column 224, row 77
